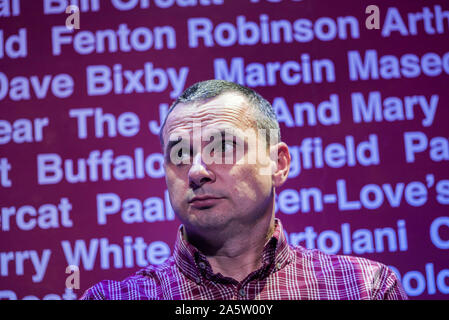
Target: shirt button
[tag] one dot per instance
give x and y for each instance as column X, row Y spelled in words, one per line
column 202, row 265
column 278, row 266
column 197, row 280
column 242, row 292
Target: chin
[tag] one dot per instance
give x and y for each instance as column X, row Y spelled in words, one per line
column 207, row 220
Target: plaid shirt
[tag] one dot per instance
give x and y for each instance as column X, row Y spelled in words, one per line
column 287, row 273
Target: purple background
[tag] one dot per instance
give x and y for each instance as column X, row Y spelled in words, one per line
column 61, row 135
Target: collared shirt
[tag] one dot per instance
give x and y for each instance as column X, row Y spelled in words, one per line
column 287, row 273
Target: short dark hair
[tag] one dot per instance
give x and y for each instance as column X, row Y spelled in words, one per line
column 264, row 116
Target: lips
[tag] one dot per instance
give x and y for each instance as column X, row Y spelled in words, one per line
column 202, row 198
column 204, row 201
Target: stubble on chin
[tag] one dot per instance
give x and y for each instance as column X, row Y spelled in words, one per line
column 207, row 220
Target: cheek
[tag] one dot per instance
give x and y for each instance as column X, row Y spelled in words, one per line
column 248, row 184
column 176, row 186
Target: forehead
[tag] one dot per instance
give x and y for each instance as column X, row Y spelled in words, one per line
column 228, row 110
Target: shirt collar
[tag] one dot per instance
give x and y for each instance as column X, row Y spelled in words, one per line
column 276, row 254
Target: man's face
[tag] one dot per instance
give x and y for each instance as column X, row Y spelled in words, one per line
column 207, row 193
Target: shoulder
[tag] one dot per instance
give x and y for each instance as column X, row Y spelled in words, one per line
column 371, row 279
column 144, row 285
column 320, row 259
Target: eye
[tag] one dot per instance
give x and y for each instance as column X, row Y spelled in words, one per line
column 183, row 153
column 227, row 146
column 180, row 155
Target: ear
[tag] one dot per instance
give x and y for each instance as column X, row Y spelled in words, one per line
column 280, row 156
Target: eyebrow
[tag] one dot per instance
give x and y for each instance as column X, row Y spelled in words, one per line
column 171, row 144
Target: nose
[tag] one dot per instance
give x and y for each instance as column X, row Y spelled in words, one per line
column 199, row 174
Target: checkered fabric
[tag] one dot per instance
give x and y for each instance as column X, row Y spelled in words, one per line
column 287, row 273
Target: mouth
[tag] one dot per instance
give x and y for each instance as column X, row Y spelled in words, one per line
column 204, row 201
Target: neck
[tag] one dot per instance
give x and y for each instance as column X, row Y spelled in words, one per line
column 235, row 254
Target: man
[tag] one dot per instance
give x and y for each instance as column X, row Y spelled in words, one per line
column 224, row 160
